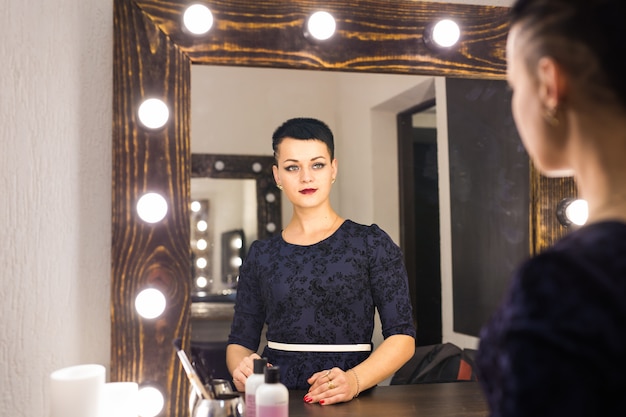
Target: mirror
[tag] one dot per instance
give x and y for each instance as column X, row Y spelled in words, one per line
column 239, row 202
column 152, row 58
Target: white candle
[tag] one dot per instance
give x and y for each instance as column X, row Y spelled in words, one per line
column 77, row 391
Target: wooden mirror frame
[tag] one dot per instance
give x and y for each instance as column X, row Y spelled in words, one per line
column 152, row 58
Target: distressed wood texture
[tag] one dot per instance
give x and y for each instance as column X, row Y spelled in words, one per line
column 546, row 193
column 148, row 255
column 152, row 58
column 372, row 35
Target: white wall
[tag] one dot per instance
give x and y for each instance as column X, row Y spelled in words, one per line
column 55, row 180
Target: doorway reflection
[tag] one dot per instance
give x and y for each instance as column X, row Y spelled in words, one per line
column 417, row 158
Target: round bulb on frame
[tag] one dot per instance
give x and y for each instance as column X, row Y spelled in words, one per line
column 202, row 244
column 152, row 207
column 442, row 35
column 236, row 261
column 202, row 282
column 321, row 25
column 577, row 212
column 572, row 211
column 153, row 113
column 198, row 19
column 202, row 226
column 151, row 402
column 201, row 263
column 236, row 243
column 150, row 303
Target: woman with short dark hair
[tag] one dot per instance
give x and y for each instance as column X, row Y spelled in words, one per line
column 557, row 344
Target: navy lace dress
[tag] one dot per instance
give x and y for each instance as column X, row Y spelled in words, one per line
column 325, row 293
column 557, row 346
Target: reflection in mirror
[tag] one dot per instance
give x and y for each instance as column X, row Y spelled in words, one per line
column 223, row 221
column 236, row 109
column 233, row 202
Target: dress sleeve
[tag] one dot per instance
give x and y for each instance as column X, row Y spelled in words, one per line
column 249, row 315
column 389, row 283
column 548, row 350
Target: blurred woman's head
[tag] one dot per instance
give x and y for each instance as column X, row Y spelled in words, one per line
column 564, row 55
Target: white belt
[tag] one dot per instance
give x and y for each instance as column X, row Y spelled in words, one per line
column 294, row 347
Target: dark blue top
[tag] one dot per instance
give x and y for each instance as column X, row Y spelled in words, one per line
column 325, row 293
column 557, row 345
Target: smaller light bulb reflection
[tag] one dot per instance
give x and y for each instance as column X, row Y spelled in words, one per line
column 201, row 263
column 202, row 225
column 236, row 243
column 236, row 261
column 195, row 206
column 151, row 402
column 150, row 303
column 152, row 207
column 572, row 211
column 577, row 212
column 321, row 25
column 446, row 33
column 201, row 244
column 153, row 113
column 198, row 19
column 202, row 282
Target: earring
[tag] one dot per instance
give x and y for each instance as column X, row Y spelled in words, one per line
column 280, row 187
column 333, row 181
column 550, row 116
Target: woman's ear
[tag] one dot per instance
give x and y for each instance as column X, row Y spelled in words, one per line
column 552, row 83
column 275, row 173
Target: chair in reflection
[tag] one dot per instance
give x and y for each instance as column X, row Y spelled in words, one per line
column 444, row 362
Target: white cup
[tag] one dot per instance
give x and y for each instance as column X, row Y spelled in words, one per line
column 120, row 399
column 77, row 391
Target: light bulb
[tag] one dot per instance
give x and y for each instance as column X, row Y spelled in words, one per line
column 201, row 244
column 151, row 401
column 198, row 19
column 201, row 282
column 446, row 33
column 153, row 113
column 321, row 25
column 152, row 207
column 150, row 303
column 201, row 263
column 572, row 211
column 202, row 226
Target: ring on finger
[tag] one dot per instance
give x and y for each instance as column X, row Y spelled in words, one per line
column 330, row 384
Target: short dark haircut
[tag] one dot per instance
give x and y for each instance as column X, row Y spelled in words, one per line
column 304, row 128
column 586, row 37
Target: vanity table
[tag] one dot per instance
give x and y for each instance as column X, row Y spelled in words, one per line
column 453, row 399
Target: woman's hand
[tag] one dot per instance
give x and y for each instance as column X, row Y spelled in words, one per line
column 243, row 371
column 331, row 386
